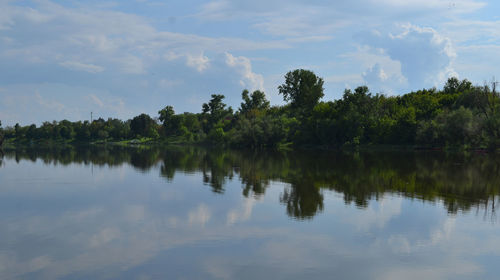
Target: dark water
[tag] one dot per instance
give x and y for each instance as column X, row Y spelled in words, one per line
column 191, row 213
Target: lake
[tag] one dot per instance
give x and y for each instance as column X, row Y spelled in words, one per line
column 194, row 213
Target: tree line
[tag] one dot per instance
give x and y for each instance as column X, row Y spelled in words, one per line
column 460, row 115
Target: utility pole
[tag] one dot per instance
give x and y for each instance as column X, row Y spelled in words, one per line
column 90, row 117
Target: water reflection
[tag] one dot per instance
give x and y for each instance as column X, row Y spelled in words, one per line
column 462, row 181
column 193, row 213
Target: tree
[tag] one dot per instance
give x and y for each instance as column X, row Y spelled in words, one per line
column 303, row 89
column 166, row 115
column 142, row 125
column 214, row 111
column 215, row 106
column 454, row 85
column 1, row 134
column 17, row 129
column 256, row 101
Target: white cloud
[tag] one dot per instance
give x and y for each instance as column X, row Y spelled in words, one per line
column 133, row 55
column 115, row 105
column 243, row 66
column 49, row 104
column 199, row 62
column 378, row 80
column 426, row 57
column 375, row 73
column 96, row 100
column 473, row 31
column 317, row 17
column 78, row 66
column 166, row 83
column 302, row 21
column 456, row 6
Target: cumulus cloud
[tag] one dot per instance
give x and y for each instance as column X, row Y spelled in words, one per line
column 379, row 80
column 426, row 57
column 243, row 66
column 375, row 74
column 137, row 65
column 146, row 63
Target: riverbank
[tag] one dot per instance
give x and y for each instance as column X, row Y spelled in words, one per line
column 178, row 141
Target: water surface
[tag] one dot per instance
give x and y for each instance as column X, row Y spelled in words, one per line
column 192, row 213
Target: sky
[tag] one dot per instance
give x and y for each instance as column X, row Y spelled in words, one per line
column 64, row 59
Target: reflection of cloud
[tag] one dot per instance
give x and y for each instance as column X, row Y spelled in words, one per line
column 399, row 244
column 135, row 227
column 218, row 268
column 377, row 214
column 135, row 213
column 242, row 214
column 444, row 233
column 9, row 265
column 104, row 236
column 83, row 215
column 199, row 216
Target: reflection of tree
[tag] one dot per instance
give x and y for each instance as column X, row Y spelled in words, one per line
column 257, row 168
column 461, row 181
column 144, row 159
column 216, row 168
column 302, row 200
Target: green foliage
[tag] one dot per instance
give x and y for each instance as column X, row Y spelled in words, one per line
column 262, row 131
column 256, row 101
column 458, row 116
column 142, row 125
column 214, row 113
column 217, row 136
column 166, row 115
column 303, row 89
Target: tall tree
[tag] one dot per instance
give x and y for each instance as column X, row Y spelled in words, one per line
column 255, row 101
column 454, row 85
column 214, row 111
column 303, row 89
column 166, row 115
column 143, row 125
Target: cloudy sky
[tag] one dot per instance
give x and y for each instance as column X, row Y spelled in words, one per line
column 64, row 59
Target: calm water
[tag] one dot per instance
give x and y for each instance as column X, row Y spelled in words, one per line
column 190, row 213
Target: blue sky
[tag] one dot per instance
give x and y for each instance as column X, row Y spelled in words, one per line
column 64, row 59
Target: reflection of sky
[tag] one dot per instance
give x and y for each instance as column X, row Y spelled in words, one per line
column 65, row 222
